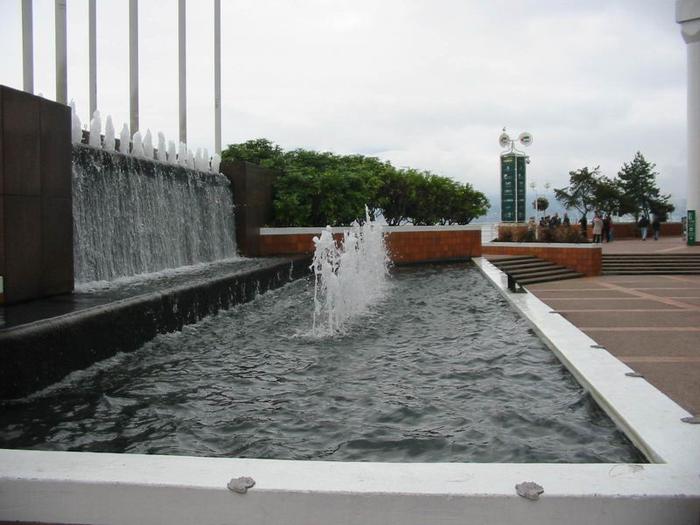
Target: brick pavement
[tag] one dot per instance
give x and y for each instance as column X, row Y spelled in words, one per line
column 652, row 323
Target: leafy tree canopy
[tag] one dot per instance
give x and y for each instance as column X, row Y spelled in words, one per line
column 319, row 188
column 637, row 180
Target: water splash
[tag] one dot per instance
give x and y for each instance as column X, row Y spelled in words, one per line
column 349, row 276
column 215, row 162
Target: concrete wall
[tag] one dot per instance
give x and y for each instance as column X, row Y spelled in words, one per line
column 406, row 244
column 584, row 258
column 252, row 198
column 624, row 230
column 36, row 222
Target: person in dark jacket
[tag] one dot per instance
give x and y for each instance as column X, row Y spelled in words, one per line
column 656, row 227
column 607, row 228
column 643, row 225
column 583, row 223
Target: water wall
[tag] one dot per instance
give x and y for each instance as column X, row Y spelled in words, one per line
column 133, row 216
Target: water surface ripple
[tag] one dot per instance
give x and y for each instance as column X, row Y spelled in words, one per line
column 442, row 370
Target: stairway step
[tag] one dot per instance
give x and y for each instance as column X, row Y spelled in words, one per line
column 541, row 273
column 656, row 272
column 516, row 266
column 512, row 258
column 563, row 277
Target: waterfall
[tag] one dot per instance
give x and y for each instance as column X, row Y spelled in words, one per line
column 350, row 275
column 133, row 216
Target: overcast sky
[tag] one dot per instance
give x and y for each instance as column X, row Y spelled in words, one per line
column 426, row 84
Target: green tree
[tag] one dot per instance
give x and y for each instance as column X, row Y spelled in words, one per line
column 608, row 197
column 320, row 188
column 637, row 180
column 580, row 193
column 257, row 151
column 541, row 203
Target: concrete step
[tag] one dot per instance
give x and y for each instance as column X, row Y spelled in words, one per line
column 542, row 273
column 651, row 265
column 518, row 266
column 511, row 258
column 679, row 271
column 547, row 279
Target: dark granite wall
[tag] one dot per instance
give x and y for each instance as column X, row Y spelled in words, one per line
column 36, row 222
column 252, row 198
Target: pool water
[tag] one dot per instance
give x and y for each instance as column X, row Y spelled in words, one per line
column 441, row 370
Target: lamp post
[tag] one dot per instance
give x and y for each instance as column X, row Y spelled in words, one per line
column 533, row 187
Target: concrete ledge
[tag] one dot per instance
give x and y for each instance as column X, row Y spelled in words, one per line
column 405, row 244
column 387, row 229
column 581, row 245
column 39, row 353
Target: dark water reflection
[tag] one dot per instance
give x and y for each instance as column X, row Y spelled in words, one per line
column 442, row 370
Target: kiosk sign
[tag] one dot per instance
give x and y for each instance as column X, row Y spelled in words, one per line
column 692, row 228
column 513, row 188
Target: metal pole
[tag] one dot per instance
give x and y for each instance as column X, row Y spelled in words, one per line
column 515, row 158
column 61, row 52
column 92, row 45
column 182, row 66
column 217, row 76
column 134, row 65
column 27, row 46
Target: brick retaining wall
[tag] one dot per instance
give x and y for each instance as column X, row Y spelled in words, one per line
column 406, row 244
column 584, row 258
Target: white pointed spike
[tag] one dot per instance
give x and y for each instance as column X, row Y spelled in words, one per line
column 76, row 125
column 137, row 145
column 215, row 163
column 172, row 152
column 109, row 134
column 124, row 140
column 161, row 147
column 148, row 145
column 182, row 154
column 96, row 130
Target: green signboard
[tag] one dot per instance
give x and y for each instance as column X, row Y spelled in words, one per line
column 513, row 188
column 692, row 228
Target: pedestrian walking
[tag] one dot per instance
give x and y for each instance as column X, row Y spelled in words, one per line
column 607, row 228
column 656, row 227
column 583, row 223
column 643, row 225
column 597, row 228
column 566, row 220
